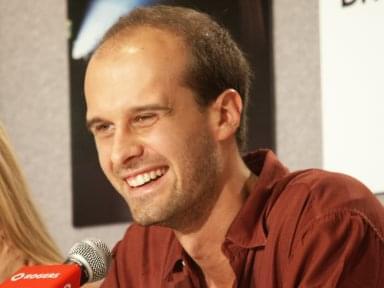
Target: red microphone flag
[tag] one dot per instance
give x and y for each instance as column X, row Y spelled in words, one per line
column 45, row 276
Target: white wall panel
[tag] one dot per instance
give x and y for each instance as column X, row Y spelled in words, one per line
column 352, row 73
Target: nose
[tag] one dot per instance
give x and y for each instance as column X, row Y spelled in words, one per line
column 125, row 147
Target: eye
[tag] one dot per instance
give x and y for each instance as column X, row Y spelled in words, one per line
column 144, row 120
column 102, row 129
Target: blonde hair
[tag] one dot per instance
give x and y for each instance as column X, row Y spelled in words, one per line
column 20, row 223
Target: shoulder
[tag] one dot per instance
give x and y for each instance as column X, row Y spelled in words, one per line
column 325, row 218
column 324, row 191
column 305, row 197
column 324, row 181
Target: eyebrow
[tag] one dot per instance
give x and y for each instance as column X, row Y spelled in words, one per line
column 151, row 107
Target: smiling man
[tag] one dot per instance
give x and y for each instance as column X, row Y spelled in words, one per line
column 165, row 94
column 154, row 143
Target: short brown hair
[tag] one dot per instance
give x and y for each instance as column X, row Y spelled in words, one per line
column 216, row 63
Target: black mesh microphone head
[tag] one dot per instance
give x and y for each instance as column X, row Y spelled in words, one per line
column 93, row 256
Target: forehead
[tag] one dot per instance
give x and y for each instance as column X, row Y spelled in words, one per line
column 143, row 40
column 145, row 61
column 142, row 48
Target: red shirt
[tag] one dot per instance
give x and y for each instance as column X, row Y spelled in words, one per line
column 305, row 229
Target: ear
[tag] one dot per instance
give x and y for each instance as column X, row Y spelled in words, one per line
column 226, row 114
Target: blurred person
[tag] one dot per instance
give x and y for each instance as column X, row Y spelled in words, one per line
column 24, row 240
column 166, row 94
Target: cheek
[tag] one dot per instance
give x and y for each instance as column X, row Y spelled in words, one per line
column 167, row 141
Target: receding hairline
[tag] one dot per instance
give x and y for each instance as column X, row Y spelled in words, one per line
column 118, row 41
column 114, row 46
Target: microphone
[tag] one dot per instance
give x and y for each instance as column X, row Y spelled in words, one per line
column 93, row 256
column 87, row 261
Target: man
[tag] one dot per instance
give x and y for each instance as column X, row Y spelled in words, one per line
column 165, row 94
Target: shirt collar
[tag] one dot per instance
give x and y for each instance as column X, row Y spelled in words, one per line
column 247, row 229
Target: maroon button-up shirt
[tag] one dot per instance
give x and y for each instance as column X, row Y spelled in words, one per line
column 305, row 229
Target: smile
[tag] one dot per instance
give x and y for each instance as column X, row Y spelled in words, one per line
column 143, row 178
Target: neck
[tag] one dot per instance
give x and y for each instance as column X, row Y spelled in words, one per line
column 204, row 244
column 11, row 260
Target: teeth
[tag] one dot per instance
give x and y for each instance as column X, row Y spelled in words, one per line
column 144, row 178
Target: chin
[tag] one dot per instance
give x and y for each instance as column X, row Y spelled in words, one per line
column 144, row 220
column 148, row 220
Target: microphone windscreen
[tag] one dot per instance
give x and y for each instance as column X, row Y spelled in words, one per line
column 93, row 255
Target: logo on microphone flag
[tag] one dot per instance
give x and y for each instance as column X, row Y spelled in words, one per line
column 47, row 276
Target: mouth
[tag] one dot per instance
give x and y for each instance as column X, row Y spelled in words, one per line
column 144, row 178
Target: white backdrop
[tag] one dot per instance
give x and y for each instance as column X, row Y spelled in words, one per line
column 352, row 83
